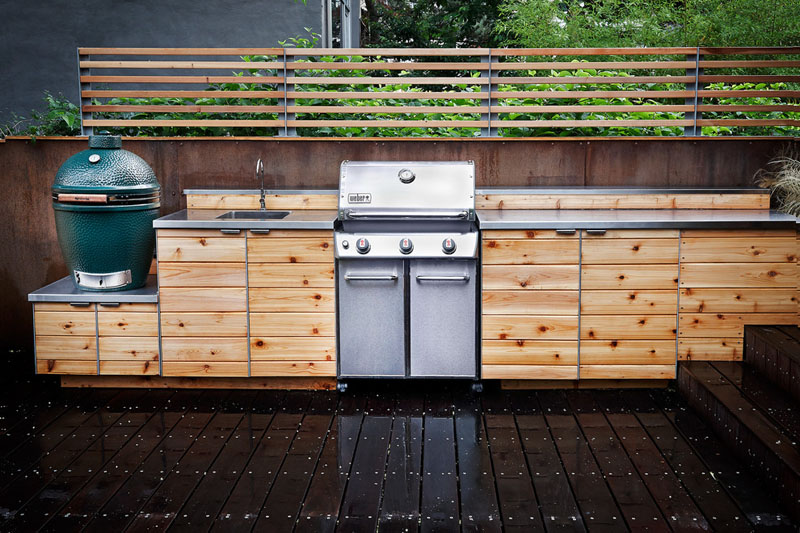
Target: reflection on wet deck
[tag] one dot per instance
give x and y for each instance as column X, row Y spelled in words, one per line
column 392, row 457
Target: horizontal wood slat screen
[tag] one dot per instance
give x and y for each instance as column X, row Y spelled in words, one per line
column 442, row 92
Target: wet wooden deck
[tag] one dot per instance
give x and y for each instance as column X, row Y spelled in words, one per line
column 389, row 458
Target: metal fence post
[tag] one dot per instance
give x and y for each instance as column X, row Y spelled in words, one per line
column 288, row 131
column 85, row 130
column 488, row 88
column 694, row 115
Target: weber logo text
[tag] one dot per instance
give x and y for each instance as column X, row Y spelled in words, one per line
column 359, row 198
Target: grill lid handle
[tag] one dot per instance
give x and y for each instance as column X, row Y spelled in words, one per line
column 406, row 214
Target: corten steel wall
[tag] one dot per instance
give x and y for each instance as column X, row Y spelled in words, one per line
column 31, row 257
column 39, row 39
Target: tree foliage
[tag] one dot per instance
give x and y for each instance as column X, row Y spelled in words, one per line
column 615, row 23
column 430, row 23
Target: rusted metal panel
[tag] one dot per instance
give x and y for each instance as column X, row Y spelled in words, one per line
column 31, row 257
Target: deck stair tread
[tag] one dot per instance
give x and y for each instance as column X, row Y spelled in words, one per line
column 753, row 417
column 774, row 351
column 771, row 401
column 763, row 428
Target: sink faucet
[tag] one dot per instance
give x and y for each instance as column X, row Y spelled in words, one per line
column 260, row 175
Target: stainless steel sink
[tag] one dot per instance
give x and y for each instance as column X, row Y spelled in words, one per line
column 254, row 215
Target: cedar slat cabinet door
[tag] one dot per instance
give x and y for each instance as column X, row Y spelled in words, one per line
column 128, row 339
column 629, row 304
column 731, row 279
column 529, row 304
column 291, row 298
column 65, row 338
column 203, row 297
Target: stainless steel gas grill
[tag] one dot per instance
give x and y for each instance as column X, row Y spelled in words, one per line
column 406, row 255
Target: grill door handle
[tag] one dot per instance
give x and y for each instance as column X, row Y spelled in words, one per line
column 388, row 277
column 443, row 278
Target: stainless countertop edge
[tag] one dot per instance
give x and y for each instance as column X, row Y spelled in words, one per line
column 655, row 224
column 617, row 190
column 64, row 291
column 515, row 190
column 241, row 224
column 222, row 192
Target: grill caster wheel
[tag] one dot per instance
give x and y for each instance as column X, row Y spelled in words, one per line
column 477, row 387
column 341, row 386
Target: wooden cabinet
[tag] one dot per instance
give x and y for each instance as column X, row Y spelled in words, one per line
column 291, row 298
column 91, row 339
column 65, row 338
column 529, row 303
column 733, row 278
column 203, row 294
column 629, row 304
column 128, row 339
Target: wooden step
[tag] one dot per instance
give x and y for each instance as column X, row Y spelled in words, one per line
column 761, row 444
column 775, row 352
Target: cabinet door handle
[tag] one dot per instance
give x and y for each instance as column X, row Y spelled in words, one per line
column 388, row 277
column 80, row 304
column 595, row 232
column 109, row 304
column 231, row 231
column 258, row 231
column 565, row 231
column 443, row 278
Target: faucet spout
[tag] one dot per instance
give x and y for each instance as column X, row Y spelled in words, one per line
column 260, row 175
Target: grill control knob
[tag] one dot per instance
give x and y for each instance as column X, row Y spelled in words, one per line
column 448, row 246
column 406, row 246
column 362, row 245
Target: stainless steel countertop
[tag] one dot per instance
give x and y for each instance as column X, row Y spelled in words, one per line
column 64, row 290
column 207, row 219
column 617, row 190
column 633, row 218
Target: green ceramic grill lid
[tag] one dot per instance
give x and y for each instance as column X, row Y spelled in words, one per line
column 105, row 175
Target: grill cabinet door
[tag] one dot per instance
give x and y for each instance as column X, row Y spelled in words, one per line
column 371, row 318
column 443, row 327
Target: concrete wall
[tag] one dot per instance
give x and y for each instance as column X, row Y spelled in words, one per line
column 38, row 38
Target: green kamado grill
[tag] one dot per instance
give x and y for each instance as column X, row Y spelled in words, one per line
column 105, row 200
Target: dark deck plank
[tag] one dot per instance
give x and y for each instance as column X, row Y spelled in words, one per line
column 519, row 507
column 479, row 507
column 46, row 430
column 360, row 505
column 62, row 444
column 244, row 503
column 142, row 481
column 108, row 478
column 284, row 502
column 709, row 495
column 400, row 509
column 630, row 492
column 591, row 491
column 559, row 509
column 211, row 493
column 666, row 489
column 163, row 506
column 748, row 494
column 113, row 426
column 439, row 498
column 324, row 497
